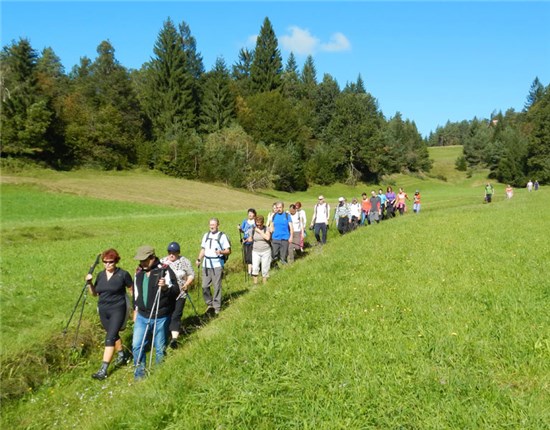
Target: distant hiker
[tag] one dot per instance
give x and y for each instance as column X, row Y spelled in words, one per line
column 303, row 217
column 270, row 215
column 245, row 229
column 281, row 233
column 365, row 209
column 509, row 191
column 355, row 213
column 530, row 185
column 390, row 202
column 319, row 221
column 536, row 185
column 374, row 213
column 383, row 200
column 297, row 242
column 489, row 191
column 342, row 216
column 113, row 307
column 185, row 275
column 400, row 201
column 261, row 250
column 215, row 249
column 155, row 292
column 416, row 202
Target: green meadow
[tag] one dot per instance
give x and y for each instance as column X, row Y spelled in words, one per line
column 436, row 320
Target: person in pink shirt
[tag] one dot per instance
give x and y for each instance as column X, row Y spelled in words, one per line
column 400, row 201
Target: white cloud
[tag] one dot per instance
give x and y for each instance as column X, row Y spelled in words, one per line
column 251, row 41
column 299, row 41
column 302, row 42
column 338, row 42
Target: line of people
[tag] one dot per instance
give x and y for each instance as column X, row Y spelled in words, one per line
column 159, row 287
column 158, row 292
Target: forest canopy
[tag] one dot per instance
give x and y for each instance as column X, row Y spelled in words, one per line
column 255, row 124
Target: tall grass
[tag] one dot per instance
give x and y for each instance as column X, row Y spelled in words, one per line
column 435, row 320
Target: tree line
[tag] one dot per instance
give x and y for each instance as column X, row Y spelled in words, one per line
column 257, row 123
column 514, row 146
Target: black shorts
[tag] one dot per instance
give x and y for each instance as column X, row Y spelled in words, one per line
column 248, row 254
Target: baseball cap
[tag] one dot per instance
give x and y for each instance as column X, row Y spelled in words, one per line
column 174, row 247
column 341, row 199
column 144, row 252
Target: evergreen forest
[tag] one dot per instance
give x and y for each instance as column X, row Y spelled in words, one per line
column 258, row 123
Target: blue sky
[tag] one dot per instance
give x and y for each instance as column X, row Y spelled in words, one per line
column 431, row 61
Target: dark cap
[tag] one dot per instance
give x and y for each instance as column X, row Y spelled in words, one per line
column 174, row 247
column 144, row 252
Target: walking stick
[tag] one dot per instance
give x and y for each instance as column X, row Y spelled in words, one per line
column 155, row 307
column 187, row 296
column 82, row 297
column 243, row 253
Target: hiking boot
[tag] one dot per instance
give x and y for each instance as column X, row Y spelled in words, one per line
column 100, row 375
column 120, row 360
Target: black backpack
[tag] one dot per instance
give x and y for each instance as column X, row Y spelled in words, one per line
column 225, row 257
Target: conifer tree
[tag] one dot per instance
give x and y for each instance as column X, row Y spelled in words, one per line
column 169, row 103
column 290, row 78
column 535, row 93
column 25, row 116
column 266, row 68
column 241, row 71
column 218, row 104
column 325, row 103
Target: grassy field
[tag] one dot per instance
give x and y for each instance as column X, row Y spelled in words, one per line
column 428, row 321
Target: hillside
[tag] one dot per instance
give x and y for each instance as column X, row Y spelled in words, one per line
column 418, row 322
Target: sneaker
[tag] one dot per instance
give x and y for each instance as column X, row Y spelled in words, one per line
column 120, row 360
column 100, row 375
column 174, row 344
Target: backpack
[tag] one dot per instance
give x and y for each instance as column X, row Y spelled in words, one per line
column 224, row 257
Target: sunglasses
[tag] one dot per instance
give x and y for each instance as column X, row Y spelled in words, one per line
column 108, row 262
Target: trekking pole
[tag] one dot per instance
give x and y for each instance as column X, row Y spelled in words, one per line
column 185, row 296
column 243, row 253
column 82, row 294
column 156, row 309
column 199, row 285
column 157, row 299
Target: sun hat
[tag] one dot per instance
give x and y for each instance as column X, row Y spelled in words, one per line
column 144, row 252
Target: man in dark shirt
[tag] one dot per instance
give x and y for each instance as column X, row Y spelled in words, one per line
column 155, row 293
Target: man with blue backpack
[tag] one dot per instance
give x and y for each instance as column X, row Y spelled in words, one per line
column 215, row 250
column 281, row 233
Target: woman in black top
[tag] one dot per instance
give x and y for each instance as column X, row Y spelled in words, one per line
column 110, row 285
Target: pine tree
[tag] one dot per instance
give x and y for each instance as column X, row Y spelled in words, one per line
column 266, row 68
column 25, row 116
column 101, row 113
column 308, row 80
column 218, row 104
column 538, row 151
column 169, row 103
column 241, row 71
column 325, row 103
column 535, row 93
column 193, row 64
column 290, row 79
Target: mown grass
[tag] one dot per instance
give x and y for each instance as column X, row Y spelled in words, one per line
column 436, row 320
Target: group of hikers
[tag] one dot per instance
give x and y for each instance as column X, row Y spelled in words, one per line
column 490, row 190
column 159, row 287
